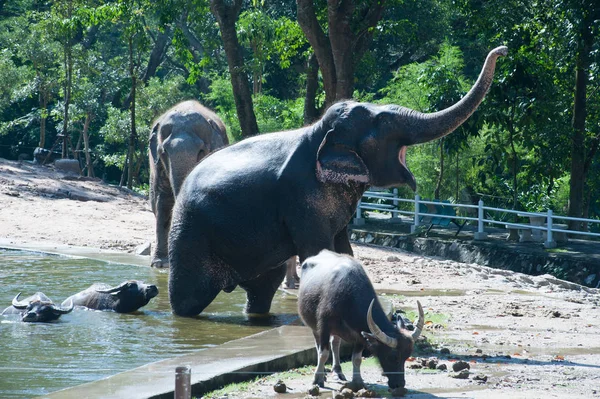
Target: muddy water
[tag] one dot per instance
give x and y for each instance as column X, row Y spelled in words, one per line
column 38, row 358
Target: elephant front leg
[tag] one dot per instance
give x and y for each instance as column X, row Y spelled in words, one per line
column 261, row 290
column 163, row 209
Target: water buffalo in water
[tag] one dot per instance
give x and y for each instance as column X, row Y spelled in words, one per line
column 127, row 297
column 336, row 300
column 37, row 308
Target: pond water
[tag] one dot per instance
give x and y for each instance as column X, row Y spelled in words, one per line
column 84, row 345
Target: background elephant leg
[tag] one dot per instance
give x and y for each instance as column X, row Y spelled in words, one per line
column 342, row 243
column 160, row 252
column 291, row 274
column 260, row 291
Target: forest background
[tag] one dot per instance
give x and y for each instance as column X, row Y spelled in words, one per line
column 88, row 77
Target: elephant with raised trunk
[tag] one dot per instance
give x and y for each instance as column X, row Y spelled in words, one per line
column 247, row 208
column 180, row 138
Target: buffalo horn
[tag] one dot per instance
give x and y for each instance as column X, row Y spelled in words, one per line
column 64, row 310
column 420, row 323
column 113, row 289
column 18, row 305
column 376, row 331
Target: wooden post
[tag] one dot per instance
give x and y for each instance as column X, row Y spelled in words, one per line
column 183, row 386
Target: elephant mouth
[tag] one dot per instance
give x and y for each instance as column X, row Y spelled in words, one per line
column 410, row 178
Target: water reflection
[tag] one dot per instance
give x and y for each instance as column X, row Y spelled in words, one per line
column 87, row 345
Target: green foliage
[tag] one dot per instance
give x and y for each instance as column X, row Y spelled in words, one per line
column 425, row 54
column 221, row 96
column 274, row 115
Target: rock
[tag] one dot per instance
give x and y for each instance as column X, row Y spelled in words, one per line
column 67, row 166
column 432, row 363
column 460, row 365
column 445, row 351
column 442, row 367
column 337, row 395
column 347, row 393
column 589, row 279
column 397, row 259
column 314, row 390
column 280, row 387
column 365, row 393
column 478, row 351
column 143, row 249
column 462, row 375
column 480, row 378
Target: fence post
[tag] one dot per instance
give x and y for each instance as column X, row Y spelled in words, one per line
column 359, row 220
column 395, row 215
column 414, row 227
column 550, row 243
column 183, row 380
column 480, row 234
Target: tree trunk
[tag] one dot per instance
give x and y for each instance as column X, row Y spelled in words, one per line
column 156, row 58
column 307, row 19
column 132, row 136
column 311, row 112
column 86, row 145
column 44, row 109
column 227, row 13
column 68, row 82
column 578, row 154
column 350, row 32
column 514, row 167
column 77, row 147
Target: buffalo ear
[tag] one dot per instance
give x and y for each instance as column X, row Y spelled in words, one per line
column 337, row 162
column 372, row 342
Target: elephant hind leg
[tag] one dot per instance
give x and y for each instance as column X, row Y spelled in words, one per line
column 261, row 290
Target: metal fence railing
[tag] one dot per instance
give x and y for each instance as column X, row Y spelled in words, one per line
column 542, row 226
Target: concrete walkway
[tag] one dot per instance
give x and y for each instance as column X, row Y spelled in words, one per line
column 239, row 360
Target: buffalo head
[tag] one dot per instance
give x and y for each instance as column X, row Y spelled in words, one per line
column 39, row 308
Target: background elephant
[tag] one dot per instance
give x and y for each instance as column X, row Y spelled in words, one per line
column 180, row 138
column 249, row 207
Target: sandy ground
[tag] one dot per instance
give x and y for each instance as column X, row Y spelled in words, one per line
column 522, row 336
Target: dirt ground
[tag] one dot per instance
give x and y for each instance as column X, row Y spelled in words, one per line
column 521, row 336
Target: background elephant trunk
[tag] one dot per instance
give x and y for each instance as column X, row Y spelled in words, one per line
column 435, row 125
column 183, row 156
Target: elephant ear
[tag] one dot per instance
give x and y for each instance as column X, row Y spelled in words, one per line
column 154, row 144
column 338, row 162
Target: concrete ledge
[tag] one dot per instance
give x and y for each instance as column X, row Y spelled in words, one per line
column 239, row 360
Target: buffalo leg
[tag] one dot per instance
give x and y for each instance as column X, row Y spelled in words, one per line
column 261, row 290
column 323, row 347
column 335, row 350
column 357, row 381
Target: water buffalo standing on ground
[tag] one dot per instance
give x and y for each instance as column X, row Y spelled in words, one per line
column 37, row 308
column 336, row 300
column 124, row 298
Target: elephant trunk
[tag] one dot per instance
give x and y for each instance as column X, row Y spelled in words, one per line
column 428, row 127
